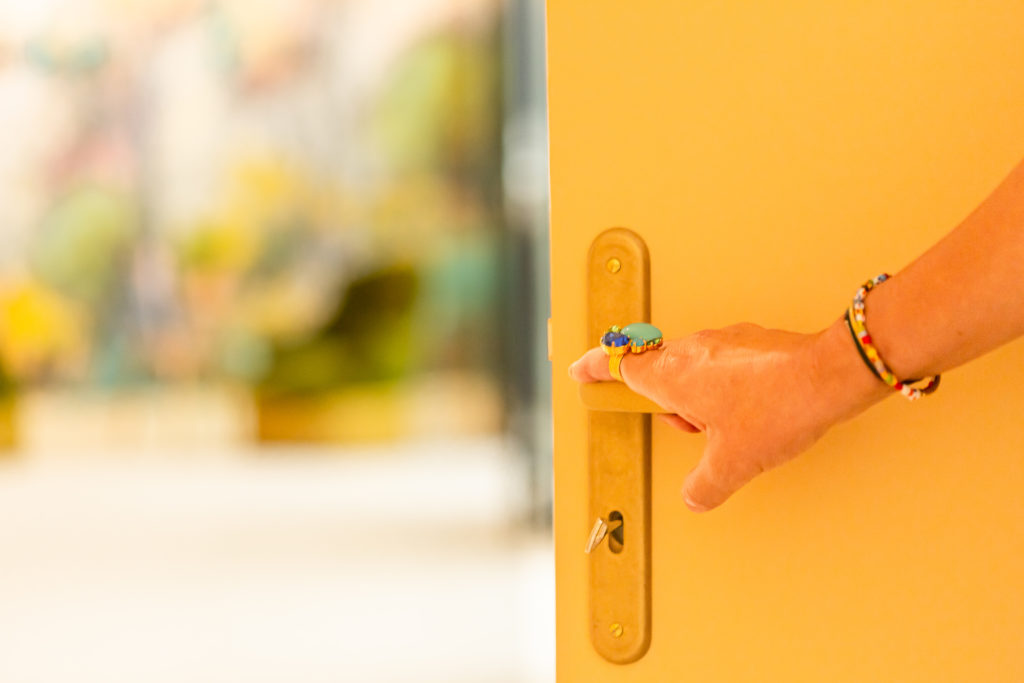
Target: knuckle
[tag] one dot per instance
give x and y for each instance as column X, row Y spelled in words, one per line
column 700, row 346
column 703, row 335
column 745, row 327
column 740, row 331
column 670, row 361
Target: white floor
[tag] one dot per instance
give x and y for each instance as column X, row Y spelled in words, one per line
column 298, row 566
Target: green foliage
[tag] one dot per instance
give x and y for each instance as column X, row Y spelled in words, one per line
column 7, row 385
column 84, row 242
column 441, row 109
column 369, row 338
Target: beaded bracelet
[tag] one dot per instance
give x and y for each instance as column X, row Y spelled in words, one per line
column 855, row 322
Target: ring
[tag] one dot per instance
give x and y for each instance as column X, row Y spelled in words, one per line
column 633, row 338
column 615, row 363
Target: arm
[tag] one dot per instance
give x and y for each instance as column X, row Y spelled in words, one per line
column 961, row 298
column 764, row 396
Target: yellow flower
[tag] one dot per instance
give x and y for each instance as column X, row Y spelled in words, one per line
column 38, row 328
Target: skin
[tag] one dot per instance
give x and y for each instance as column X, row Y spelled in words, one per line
column 764, row 396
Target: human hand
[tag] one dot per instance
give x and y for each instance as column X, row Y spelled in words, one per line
column 761, row 396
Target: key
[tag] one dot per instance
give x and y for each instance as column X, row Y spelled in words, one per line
column 597, row 535
column 602, row 529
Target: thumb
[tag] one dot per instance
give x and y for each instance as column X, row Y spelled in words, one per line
column 718, row 475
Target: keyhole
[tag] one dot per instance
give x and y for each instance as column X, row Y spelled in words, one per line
column 617, row 531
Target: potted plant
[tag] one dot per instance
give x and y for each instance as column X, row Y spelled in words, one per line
column 343, row 382
column 8, row 406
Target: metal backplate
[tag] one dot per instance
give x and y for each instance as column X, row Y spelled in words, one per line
column 618, row 292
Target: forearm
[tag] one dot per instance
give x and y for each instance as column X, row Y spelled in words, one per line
column 961, row 298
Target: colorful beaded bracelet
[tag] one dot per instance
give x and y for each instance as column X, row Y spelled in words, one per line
column 855, row 320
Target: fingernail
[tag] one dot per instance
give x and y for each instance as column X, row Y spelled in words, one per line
column 695, row 507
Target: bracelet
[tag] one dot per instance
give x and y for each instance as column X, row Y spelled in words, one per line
column 855, row 319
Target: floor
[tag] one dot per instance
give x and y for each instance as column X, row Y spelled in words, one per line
column 294, row 565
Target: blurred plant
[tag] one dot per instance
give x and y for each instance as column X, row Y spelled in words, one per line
column 266, row 266
column 287, row 281
column 368, row 338
column 439, row 113
column 81, row 59
column 84, row 244
column 8, row 403
column 40, row 332
column 431, row 271
column 82, row 252
column 7, row 385
column 438, row 125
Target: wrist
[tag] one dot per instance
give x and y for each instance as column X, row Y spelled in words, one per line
column 844, row 386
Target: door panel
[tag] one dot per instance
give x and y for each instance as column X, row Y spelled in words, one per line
column 774, row 156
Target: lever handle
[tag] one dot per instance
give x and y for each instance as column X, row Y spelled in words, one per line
column 619, row 456
column 616, row 397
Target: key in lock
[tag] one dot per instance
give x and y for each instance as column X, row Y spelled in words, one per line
column 613, row 529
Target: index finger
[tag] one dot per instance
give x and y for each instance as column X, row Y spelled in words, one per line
column 591, row 367
column 638, row 371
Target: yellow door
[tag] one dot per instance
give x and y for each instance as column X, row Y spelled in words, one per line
column 773, row 156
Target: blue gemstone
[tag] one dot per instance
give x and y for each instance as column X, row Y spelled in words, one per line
column 614, row 339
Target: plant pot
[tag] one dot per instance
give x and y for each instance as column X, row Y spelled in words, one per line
column 446, row 405
column 8, row 424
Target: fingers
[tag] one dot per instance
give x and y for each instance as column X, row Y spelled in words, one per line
column 591, row 367
column 719, row 473
column 717, row 476
column 678, row 422
column 638, row 370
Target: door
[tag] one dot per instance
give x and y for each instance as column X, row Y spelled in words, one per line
column 773, row 156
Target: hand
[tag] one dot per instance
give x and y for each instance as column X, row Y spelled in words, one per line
column 761, row 396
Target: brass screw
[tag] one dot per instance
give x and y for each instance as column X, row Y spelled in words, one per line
column 614, row 265
column 616, row 630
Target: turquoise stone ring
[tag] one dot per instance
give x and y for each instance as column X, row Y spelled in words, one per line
column 635, row 338
column 642, row 337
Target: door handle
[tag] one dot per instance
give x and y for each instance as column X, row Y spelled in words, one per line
column 616, row 397
column 619, row 457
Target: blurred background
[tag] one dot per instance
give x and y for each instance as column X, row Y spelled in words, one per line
column 273, row 378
